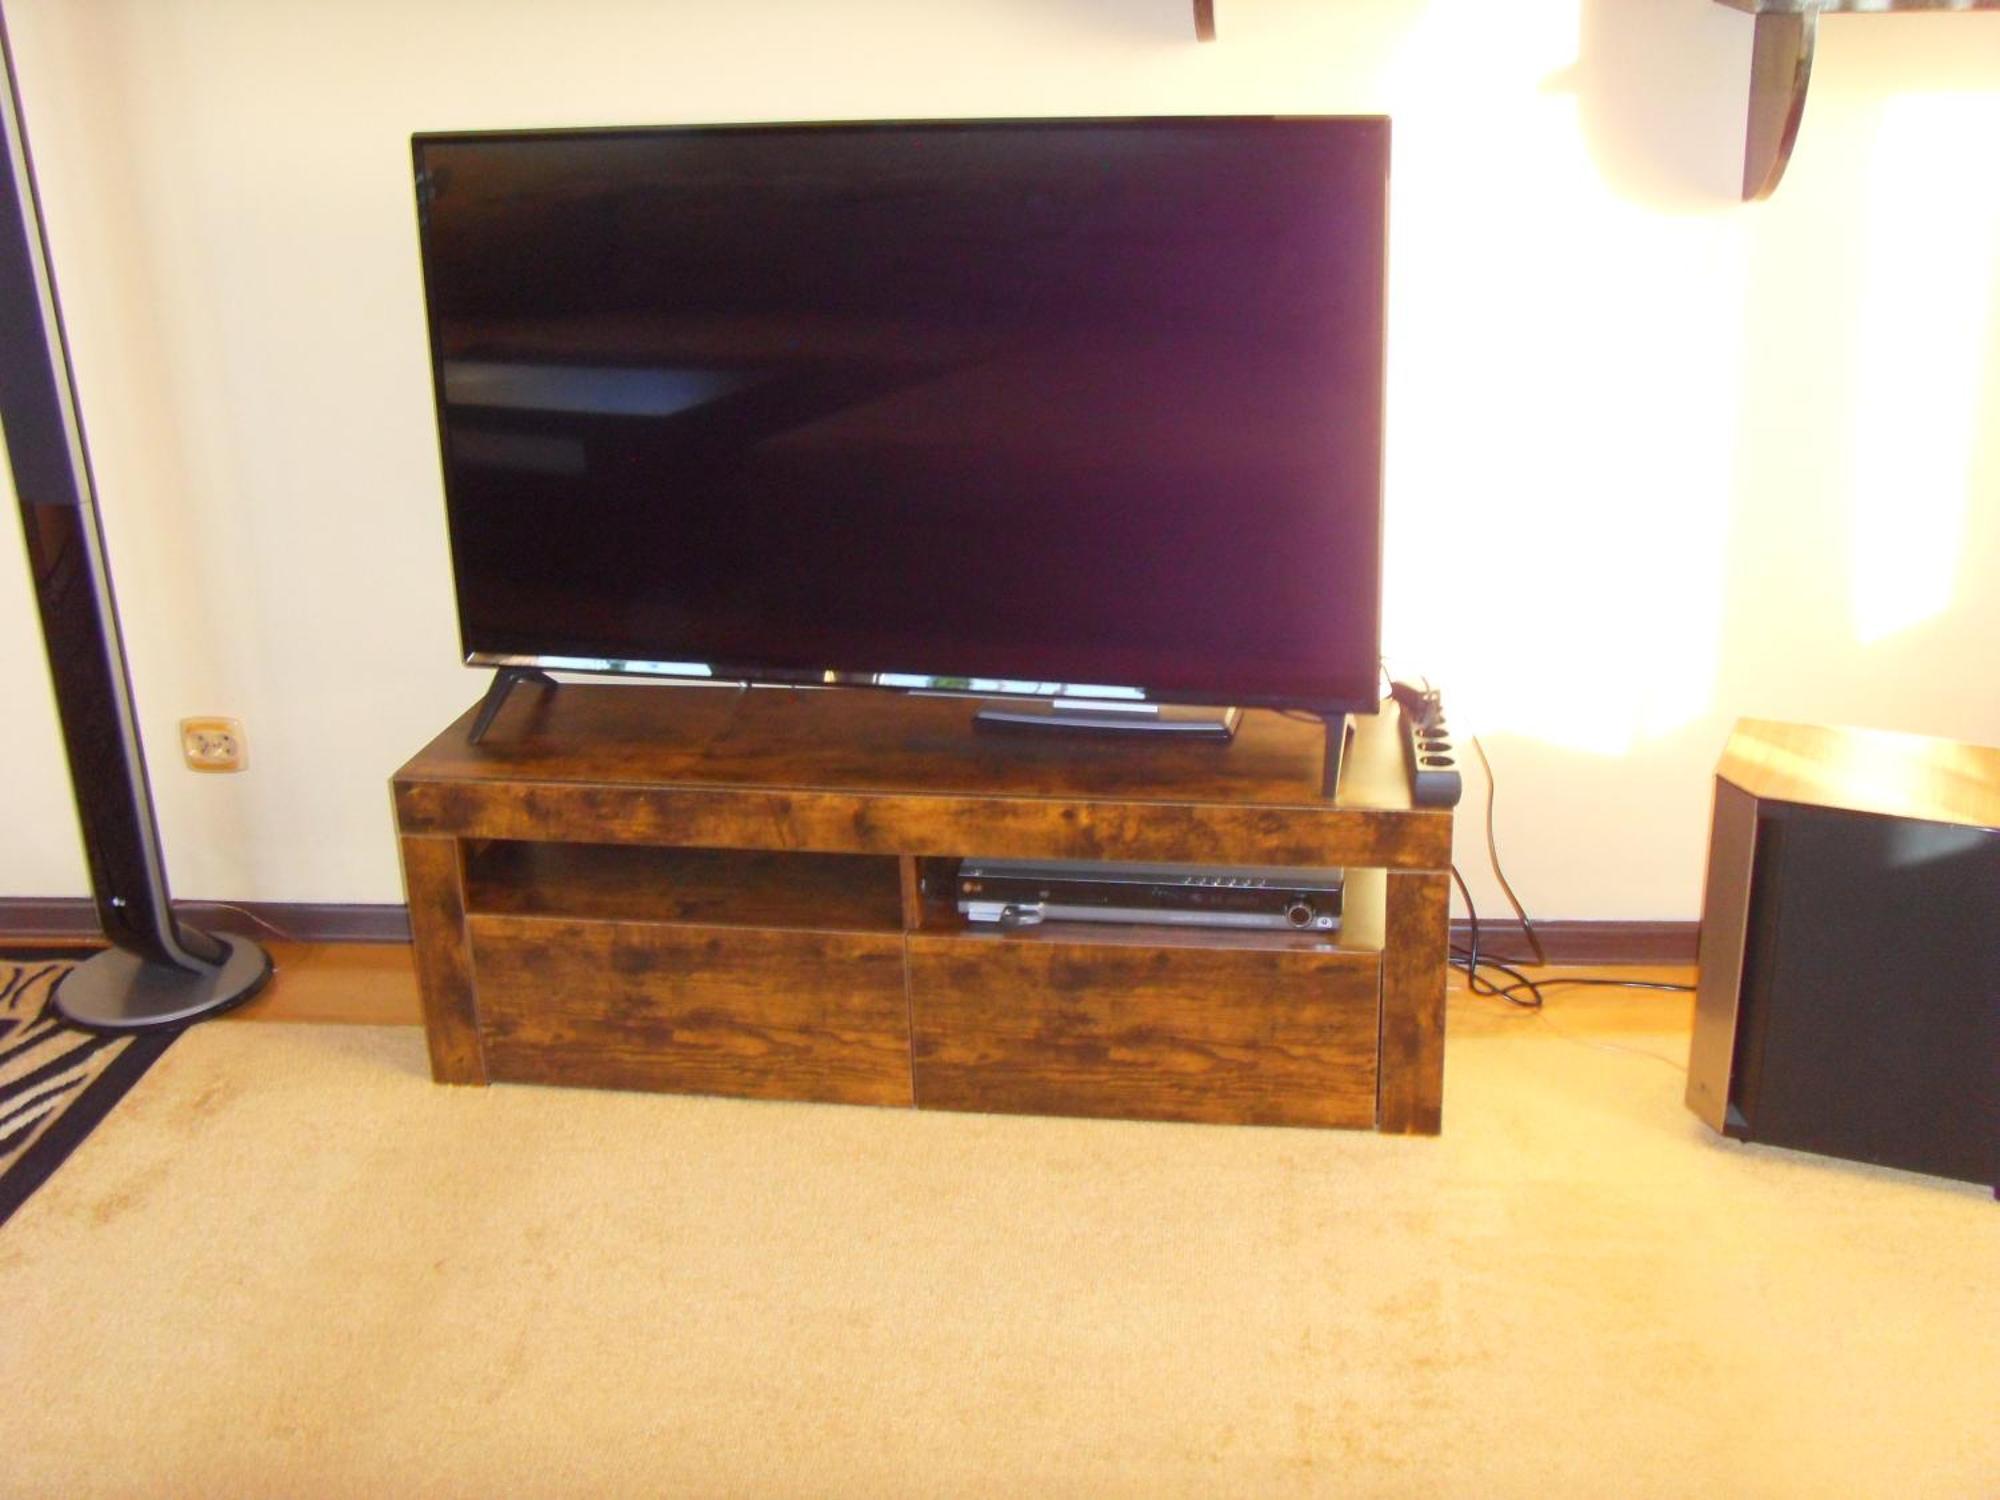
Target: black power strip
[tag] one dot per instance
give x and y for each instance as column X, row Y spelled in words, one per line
column 1428, row 751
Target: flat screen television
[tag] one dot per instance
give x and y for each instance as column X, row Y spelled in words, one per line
column 1026, row 405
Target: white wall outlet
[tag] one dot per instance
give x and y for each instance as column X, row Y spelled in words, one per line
column 213, row 744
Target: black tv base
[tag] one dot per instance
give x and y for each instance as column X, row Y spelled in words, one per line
column 1111, row 716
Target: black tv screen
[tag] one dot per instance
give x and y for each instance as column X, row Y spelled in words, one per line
column 1084, row 402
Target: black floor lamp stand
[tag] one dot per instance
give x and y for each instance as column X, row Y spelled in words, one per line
column 159, row 972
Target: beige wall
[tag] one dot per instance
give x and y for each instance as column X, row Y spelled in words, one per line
column 1656, row 459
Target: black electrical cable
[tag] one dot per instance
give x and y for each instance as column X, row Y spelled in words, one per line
column 1469, row 960
column 1472, row 961
column 1493, row 854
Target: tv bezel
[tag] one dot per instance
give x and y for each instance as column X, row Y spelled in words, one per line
column 1364, row 700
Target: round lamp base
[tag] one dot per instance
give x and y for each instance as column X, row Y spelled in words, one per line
column 118, row 991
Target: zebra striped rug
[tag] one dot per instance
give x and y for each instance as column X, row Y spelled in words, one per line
column 56, row 1082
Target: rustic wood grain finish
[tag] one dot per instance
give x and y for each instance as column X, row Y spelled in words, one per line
column 853, row 740
column 1412, row 1050
column 713, row 890
column 1865, row 771
column 434, row 882
column 1855, row 7
column 708, row 1010
column 997, row 827
column 873, row 773
column 1227, row 1035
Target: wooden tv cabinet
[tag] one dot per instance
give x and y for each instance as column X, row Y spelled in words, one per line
column 703, row 889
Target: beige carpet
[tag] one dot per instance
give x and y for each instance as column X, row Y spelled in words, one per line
column 290, row 1265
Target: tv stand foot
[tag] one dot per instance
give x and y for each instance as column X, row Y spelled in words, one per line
column 504, row 682
column 1339, row 730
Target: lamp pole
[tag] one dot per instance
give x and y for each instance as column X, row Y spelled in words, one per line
column 159, row 971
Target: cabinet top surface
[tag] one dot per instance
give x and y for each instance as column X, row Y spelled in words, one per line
column 1865, row 770
column 862, row 741
column 1853, row 7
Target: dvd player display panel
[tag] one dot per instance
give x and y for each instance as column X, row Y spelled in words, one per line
column 1015, row 892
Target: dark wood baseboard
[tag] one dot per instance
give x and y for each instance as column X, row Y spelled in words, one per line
column 72, row 918
column 1576, row 942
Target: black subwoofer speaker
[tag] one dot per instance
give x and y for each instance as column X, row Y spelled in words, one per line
column 1850, row 954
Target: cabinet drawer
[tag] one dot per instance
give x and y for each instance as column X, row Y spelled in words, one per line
column 1233, row 1033
column 757, row 1013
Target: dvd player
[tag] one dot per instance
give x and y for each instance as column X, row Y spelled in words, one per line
column 1022, row 892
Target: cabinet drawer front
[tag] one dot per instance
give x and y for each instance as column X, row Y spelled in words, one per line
column 754, row 1013
column 1230, row 1035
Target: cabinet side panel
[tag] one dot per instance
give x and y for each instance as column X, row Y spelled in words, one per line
column 434, row 878
column 1725, row 921
column 1414, row 954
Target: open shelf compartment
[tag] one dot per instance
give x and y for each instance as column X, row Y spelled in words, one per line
column 703, row 887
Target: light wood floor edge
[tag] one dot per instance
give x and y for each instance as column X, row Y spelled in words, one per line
column 361, row 984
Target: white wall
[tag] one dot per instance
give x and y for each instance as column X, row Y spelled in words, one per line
column 1657, row 459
